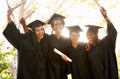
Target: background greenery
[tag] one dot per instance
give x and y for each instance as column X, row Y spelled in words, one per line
column 5, row 69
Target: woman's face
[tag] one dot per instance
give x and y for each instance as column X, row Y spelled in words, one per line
column 58, row 26
column 74, row 37
column 39, row 31
column 91, row 37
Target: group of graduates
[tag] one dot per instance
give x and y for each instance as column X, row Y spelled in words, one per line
column 37, row 59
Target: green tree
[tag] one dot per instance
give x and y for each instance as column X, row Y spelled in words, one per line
column 5, row 69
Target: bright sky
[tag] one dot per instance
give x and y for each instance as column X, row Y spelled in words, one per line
column 3, row 11
column 78, row 14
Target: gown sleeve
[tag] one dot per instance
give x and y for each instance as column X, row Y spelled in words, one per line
column 13, row 35
column 111, row 35
column 111, row 56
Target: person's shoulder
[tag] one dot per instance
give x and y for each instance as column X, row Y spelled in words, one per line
column 46, row 36
column 65, row 38
column 82, row 44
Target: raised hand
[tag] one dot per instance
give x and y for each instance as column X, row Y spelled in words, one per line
column 9, row 12
column 23, row 23
column 104, row 13
column 88, row 46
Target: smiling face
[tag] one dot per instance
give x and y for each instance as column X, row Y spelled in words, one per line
column 92, row 37
column 74, row 37
column 58, row 25
column 39, row 31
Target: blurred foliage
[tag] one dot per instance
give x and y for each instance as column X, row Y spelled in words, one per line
column 5, row 69
column 118, row 61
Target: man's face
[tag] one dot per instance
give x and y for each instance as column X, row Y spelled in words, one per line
column 74, row 37
column 91, row 36
column 58, row 26
column 39, row 31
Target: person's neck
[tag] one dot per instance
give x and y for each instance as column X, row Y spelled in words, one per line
column 58, row 35
column 75, row 45
column 95, row 42
column 38, row 40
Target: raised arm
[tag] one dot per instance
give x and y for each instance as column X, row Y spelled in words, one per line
column 104, row 14
column 9, row 15
column 111, row 31
column 23, row 23
column 11, row 33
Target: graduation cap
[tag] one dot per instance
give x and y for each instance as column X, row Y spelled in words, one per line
column 74, row 28
column 55, row 17
column 35, row 23
column 93, row 28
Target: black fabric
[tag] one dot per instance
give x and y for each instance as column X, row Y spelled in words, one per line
column 35, row 24
column 37, row 60
column 102, row 56
column 54, row 17
column 80, row 66
column 13, row 35
column 93, row 28
column 55, row 64
column 31, row 54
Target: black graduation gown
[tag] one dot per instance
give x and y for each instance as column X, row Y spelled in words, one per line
column 80, row 66
column 37, row 60
column 55, row 64
column 13, row 35
column 102, row 56
column 31, row 54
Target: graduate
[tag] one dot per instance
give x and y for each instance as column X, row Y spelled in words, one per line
column 37, row 57
column 55, row 63
column 80, row 66
column 31, row 57
column 13, row 35
column 102, row 52
column 38, row 60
